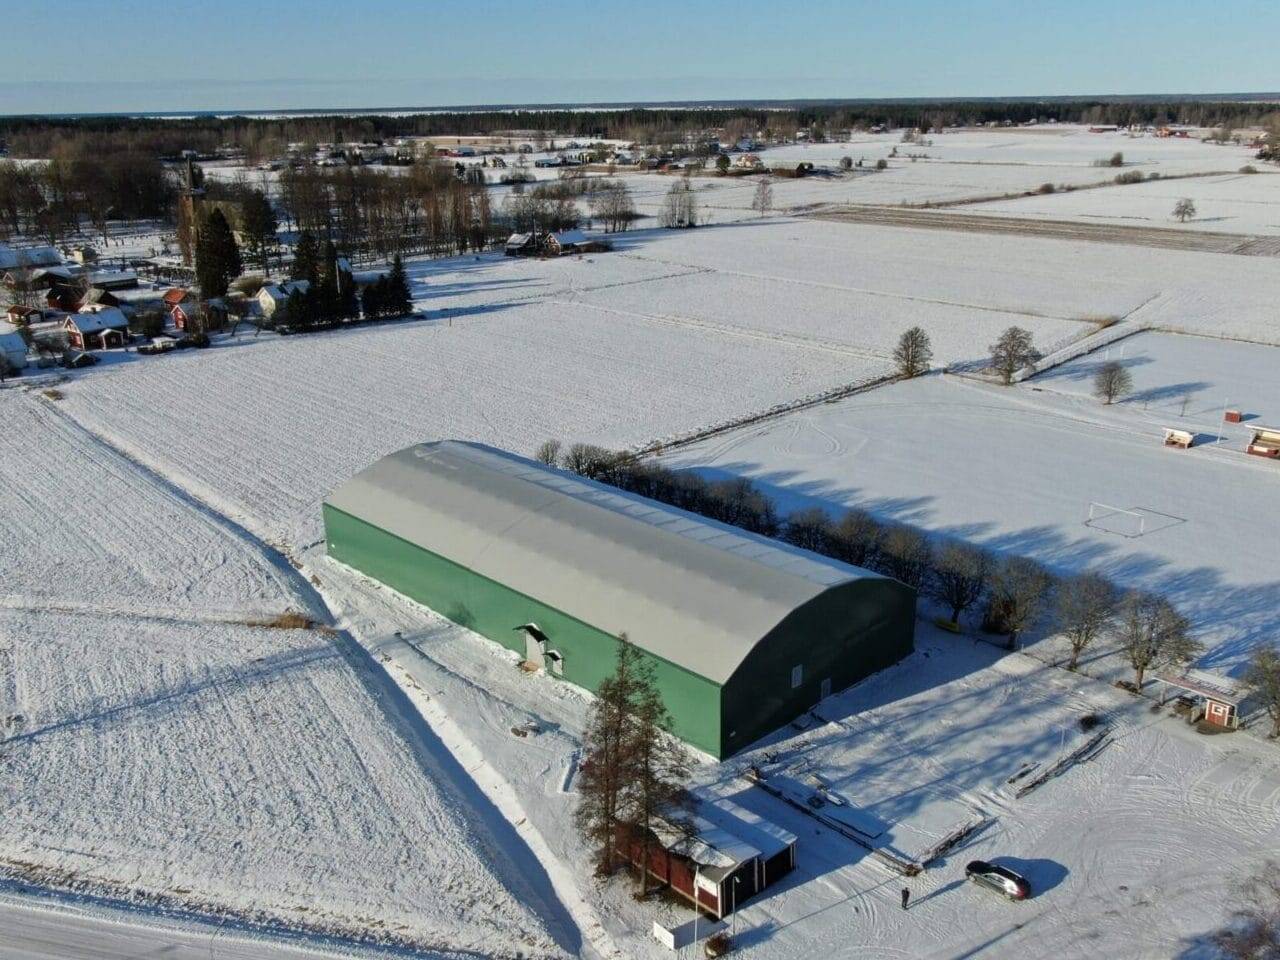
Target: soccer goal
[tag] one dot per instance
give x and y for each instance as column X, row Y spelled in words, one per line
column 1117, row 520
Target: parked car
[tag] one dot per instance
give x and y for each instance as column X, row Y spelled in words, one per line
column 160, row 344
column 1000, row 879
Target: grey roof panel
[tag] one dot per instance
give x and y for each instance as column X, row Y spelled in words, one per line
column 693, row 591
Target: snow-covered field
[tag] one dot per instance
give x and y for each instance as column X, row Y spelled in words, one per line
column 85, row 528
column 1184, row 381
column 162, row 748
column 1231, row 203
column 169, row 748
column 306, row 413
column 1016, row 471
column 245, row 769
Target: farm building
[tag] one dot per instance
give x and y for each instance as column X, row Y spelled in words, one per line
column 521, row 245
column 743, row 633
column 715, row 867
column 1217, row 699
column 566, row 241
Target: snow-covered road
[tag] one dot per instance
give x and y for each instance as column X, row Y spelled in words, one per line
column 33, row 932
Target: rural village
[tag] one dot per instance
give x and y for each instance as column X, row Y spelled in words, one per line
column 789, row 532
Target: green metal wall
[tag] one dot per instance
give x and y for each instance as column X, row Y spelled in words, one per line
column 845, row 634
column 493, row 609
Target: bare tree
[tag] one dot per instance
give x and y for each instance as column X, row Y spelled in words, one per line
column 548, row 452
column 906, row 555
column 588, row 460
column 1018, row 592
column 914, row 352
column 1184, row 209
column 680, row 206
column 1153, row 633
column 1263, row 678
column 1254, row 930
column 611, row 203
column 856, row 538
column 1011, row 352
column 809, row 529
column 959, row 577
column 1086, row 608
column 1111, row 382
column 762, row 202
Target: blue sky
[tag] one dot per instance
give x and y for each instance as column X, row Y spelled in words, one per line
column 282, row 54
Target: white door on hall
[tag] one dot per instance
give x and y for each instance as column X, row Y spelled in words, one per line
column 533, row 651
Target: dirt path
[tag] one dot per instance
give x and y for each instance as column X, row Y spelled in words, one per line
column 1163, row 237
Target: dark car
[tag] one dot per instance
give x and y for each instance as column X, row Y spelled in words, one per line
column 998, row 878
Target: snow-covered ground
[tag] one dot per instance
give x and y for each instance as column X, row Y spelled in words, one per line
column 1231, row 203
column 163, row 748
column 306, row 412
column 367, row 780
column 1114, row 848
column 1016, row 470
column 1184, row 381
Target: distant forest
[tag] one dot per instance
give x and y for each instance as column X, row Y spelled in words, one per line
column 265, row 136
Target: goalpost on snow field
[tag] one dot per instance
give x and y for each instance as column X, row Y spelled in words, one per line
column 1117, row 520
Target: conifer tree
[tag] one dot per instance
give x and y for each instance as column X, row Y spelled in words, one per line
column 259, row 224
column 306, row 258
column 217, row 256
column 399, row 301
column 604, row 781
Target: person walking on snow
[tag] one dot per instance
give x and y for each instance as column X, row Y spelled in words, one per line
column 906, row 895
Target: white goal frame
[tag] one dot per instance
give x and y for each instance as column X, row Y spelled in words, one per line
column 1100, row 511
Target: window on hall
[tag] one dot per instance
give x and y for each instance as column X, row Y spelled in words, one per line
column 797, row 675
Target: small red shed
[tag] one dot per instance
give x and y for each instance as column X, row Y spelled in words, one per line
column 1219, row 698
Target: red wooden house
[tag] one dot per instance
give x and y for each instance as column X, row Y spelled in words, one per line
column 99, row 330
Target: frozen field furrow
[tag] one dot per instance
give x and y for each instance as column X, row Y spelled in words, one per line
column 246, row 770
column 83, row 524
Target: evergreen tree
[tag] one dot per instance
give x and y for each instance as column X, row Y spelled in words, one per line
column 328, row 301
column 659, row 767
column 399, row 301
column 605, row 777
column 301, row 310
column 374, row 299
column 306, row 258
column 217, row 256
column 258, row 223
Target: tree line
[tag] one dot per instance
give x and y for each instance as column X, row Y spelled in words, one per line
column 427, row 209
column 1008, row 594
column 267, row 136
column 77, row 185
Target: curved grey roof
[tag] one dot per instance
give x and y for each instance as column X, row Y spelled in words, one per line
column 698, row 593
